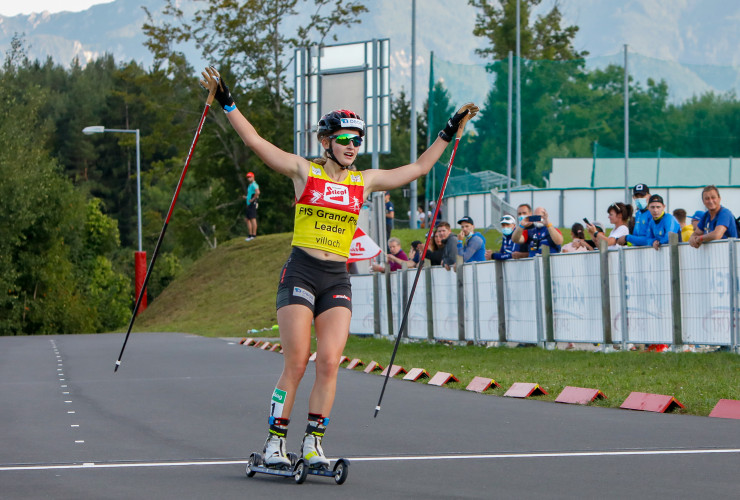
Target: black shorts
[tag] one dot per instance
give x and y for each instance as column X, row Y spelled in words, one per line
column 315, row 283
column 252, row 210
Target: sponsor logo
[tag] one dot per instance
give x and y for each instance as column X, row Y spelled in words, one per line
column 355, row 178
column 336, row 193
column 357, row 248
column 315, row 196
column 352, row 123
column 356, row 204
column 303, row 293
column 315, row 171
column 278, row 396
column 341, row 297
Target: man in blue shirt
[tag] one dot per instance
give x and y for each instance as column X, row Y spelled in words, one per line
column 536, row 230
column 638, row 235
column 717, row 223
column 390, row 214
column 472, row 244
column 661, row 224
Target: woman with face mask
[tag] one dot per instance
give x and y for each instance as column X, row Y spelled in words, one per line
column 508, row 247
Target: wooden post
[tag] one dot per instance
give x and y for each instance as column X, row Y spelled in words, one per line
column 676, row 290
column 547, row 277
column 428, row 291
column 460, row 299
column 500, row 301
column 606, row 307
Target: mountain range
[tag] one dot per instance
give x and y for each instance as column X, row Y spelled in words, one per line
column 689, row 43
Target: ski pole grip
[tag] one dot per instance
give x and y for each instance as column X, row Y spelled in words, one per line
column 472, row 111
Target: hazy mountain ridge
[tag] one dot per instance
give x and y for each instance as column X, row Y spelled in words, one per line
column 446, row 29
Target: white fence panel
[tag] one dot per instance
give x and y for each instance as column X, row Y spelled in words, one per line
column 705, row 293
column 471, row 296
column 444, row 303
column 363, row 315
column 576, row 297
column 382, row 294
column 520, row 300
column 488, row 320
column 649, row 315
column 418, row 309
column 396, row 300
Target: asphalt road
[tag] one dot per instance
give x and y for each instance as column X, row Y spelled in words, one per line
column 183, row 413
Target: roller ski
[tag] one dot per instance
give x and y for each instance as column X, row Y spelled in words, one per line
column 315, row 462
column 274, row 460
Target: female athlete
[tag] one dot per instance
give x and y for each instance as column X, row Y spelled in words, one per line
column 314, row 285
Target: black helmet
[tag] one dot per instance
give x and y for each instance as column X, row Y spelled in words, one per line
column 341, row 118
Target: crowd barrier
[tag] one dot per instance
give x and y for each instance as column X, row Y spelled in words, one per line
column 676, row 295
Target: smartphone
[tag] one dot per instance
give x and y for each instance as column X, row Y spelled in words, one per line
column 535, row 218
column 586, row 220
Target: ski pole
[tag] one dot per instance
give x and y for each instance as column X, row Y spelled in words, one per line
column 209, row 100
column 473, row 110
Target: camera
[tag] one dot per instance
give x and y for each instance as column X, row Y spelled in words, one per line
column 535, row 218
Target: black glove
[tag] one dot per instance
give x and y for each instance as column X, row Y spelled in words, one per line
column 223, row 96
column 453, row 123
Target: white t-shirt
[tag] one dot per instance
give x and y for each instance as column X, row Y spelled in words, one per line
column 617, row 233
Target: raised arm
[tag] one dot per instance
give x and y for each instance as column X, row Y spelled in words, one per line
column 288, row 164
column 385, row 180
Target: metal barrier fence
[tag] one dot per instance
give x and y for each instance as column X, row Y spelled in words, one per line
column 677, row 295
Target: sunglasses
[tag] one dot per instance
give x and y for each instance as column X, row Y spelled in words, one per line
column 345, row 139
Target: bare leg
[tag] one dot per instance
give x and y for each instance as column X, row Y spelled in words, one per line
column 332, row 330
column 295, row 337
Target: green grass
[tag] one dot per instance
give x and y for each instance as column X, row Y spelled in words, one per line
column 698, row 380
column 232, row 290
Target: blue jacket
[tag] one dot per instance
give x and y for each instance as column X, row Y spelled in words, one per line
column 659, row 230
column 508, row 247
column 474, row 248
column 639, row 236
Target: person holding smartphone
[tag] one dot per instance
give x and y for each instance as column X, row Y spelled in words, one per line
column 536, row 230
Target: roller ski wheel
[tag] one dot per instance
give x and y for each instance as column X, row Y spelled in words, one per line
column 255, row 460
column 300, row 471
column 341, row 470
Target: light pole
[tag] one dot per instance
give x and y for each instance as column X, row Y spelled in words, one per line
column 140, row 256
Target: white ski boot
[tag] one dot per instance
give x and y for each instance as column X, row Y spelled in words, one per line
column 274, row 452
column 312, row 452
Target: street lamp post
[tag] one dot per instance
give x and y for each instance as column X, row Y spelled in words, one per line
column 140, row 256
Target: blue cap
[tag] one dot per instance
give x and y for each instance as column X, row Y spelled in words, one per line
column 697, row 215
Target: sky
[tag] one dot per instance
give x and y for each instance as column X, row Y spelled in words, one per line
column 10, row 9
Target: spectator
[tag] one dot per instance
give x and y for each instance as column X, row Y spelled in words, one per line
column 396, row 257
column 436, row 248
column 619, row 216
column 695, row 220
column 508, row 247
column 420, row 222
column 447, row 245
column 252, row 197
column 472, row 247
column 638, row 230
column 686, row 228
column 717, row 223
column 661, row 224
column 390, row 214
column 579, row 242
column 522, row 211
column 415, row 253
column 536, row 230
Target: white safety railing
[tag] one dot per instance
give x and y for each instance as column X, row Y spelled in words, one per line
column 676, row 295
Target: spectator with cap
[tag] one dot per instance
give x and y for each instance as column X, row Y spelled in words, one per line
column 687, row 229
column 717, row 223
column 638, row 230
column 508, row 247
column 695, row 220
column 471, row 245
column 536, row 230
column 252, row 196
column 661, row 223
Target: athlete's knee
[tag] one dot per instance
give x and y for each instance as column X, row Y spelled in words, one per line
column 294, row 370
column 327, row 368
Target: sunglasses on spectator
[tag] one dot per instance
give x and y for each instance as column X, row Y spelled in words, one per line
column 345, row 139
